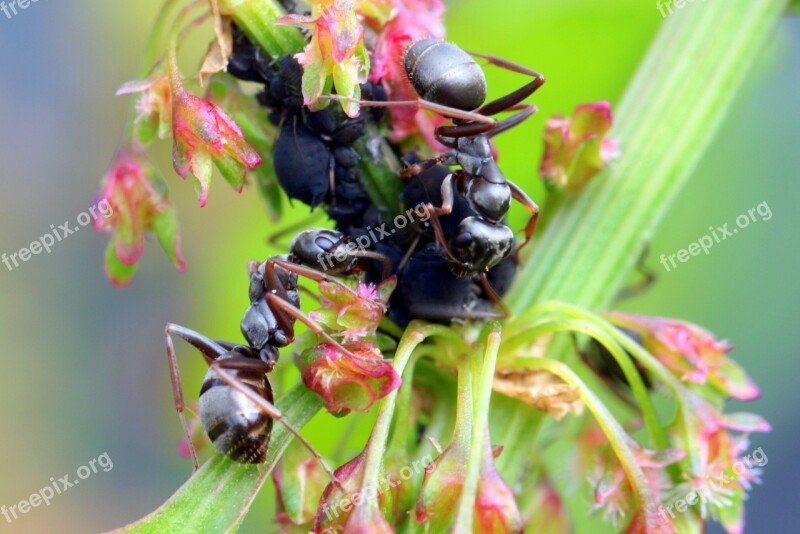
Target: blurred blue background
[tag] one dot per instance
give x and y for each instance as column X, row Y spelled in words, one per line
column 83, row 370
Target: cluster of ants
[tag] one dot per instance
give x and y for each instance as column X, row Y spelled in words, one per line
column 454, row 263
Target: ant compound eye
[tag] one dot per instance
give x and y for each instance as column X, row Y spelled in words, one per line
column 462, row 240
column 324, row 243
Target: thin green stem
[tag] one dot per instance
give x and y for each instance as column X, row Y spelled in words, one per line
column 403, row 425
column 591, row 326
column 154, row 45
column 415, row 334
column 480, row 431
column 617, row 437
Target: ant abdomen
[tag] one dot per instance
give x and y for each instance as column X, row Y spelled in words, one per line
column 236, row 425
column 444, row 74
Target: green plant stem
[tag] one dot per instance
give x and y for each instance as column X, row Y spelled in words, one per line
column 588, row 326
column 257, row 19
column 669, row 114
column 665, row 121
column 154, row 46
column 415, row 334
column 480, row 432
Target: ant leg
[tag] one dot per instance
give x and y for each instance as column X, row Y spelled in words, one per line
column 494, row 297
column 257, row 370
column 437, row 230
column 506, row 124
column 422, row 166
column 386, row 263
column 301, row 270
column 468, row 130
column 648, row 278
column 227, row 345
column 286, row 311
column 523, row 198
column 445, row 111
column 210, row 351
column 409, row 252
column 505, row 102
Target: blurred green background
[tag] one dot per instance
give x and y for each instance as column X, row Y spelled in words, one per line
column 83, row 368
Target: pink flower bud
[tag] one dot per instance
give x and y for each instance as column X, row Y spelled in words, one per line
column 345, row 511
column 691, row 353
column 336, row 56
column 137, row 204
column 346, row 383
column 353, row 315
column 441, row 488
column 576, row 148
column 495, row 507
column 205, row 136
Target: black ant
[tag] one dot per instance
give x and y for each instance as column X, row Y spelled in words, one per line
column 451, row 83
column 236, row 403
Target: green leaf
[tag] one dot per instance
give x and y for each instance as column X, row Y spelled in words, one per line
column 165, row 226
column 216, row 497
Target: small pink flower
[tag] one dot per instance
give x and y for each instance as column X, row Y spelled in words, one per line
column 576, row 148
column 354, row 316
column 153, row 108
column 205, row 136
column 690, row 352
column 136, row 196
column 346, row 383
column 719, row 474
column 335, row 56
column 613, row 494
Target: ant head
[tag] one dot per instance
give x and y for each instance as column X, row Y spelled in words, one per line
column 478, row 245
column 324, row 249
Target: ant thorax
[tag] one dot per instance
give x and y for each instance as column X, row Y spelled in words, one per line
column 473, row 153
